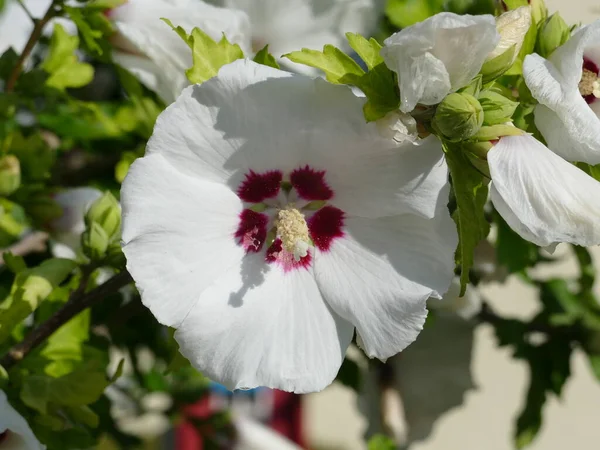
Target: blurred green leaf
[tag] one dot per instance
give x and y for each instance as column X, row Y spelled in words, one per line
column 334, row 62
column 265, row 58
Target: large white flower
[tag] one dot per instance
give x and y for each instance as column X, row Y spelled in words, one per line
column 66, row 230
column 16, row 26
column 438, row 56
column 295, row 24
column 568, row 89
column 541, row 196
column 153, row 52
column 268, row 220
column 15, row 433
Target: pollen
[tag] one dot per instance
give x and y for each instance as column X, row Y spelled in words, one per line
column 293, row 231
column 589, row 83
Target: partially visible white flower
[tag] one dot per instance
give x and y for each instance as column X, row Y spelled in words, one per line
column 65, row 232
column 148, row 425
column 209, row 258
column 252, row 435
column 295, row 24
column 542, row 197
column 567, row 85
column 512, row 27
column 154, row 53
column 16, row 26
column 398, row 126
column 156, row 401
column 438, row 56
column 15, row 433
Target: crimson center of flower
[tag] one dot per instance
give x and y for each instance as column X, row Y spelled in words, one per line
column 589, row 86
column 287, row 215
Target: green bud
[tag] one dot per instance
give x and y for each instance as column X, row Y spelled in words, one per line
column 459, row 116
column 474, row 87
column 539, row 12
column 10, row 174
column 105, row 212
column 498, row 65
column 553, row 33
column 491, row 133
column 496, row 107
column 94, row 241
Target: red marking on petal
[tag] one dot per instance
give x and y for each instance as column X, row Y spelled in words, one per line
column 590, row 65
column 3, row 436
column 589, row 99
column 257, row 187
column 325, row 226
column 310, row 184
column 277, row 254
column 252, row 231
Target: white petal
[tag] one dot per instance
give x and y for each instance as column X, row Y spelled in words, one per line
column 381, row 273
column 387, row 180
column 512, row 26
column 253, row 435
column 541, row 196
column 178, row 235
column 19, row 435
column 258, row 326
column 237, row 121
column 568, row 58
column 142, row 32
column 570, row 127
column 439, row 55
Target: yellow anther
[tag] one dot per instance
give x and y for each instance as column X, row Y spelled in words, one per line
column 293, row 231
column 588, row 80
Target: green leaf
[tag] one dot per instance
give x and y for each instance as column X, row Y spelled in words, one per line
column 30, row 287
column 334, row 62
column 404, row 13
column 93, row 26
column 379, row 86
column 265, row 58
column 62, row 64
column 208, row 55
column 84, row 415
column 15, row 263
column 381, row 442
column 368, row 50
column 470, row 190
column 349, row 374
column 81, row 387
column 512, row 251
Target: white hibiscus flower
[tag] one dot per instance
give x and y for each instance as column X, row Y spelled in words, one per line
column 154, row 53
column 567, row 85
column 544, row 198
column 16, row 26
column 438, row 56
column 295, row 24
column 268, row 220
column 15, row 433
column 65, row 232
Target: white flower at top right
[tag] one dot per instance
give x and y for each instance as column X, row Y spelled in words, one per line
column 567, row 86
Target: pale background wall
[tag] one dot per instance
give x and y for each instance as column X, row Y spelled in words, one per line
column 484, row 421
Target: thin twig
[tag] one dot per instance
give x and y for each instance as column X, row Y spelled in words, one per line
column 78, row 302
column 32, row 243
column 33, row 38
column 26, row 9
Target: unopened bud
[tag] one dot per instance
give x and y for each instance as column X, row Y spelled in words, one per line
column 105, row 212
column 459, row 116
column 553, row 33
column 10, row 174
column 496, row 107
column 94, row 241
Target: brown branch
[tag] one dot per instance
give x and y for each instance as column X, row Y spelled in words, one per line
column 78, row 302
column 33, row 38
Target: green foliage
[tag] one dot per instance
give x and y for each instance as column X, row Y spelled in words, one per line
column 553, row 33
column 381, row 442
column 208, row 56
column 497, row 109
column 459, row 116
column 62, row 64
column 29, row 289
column 470, row 189
column 265, row 58
column 499, row 65
column 378, row 84
column 350, row 374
